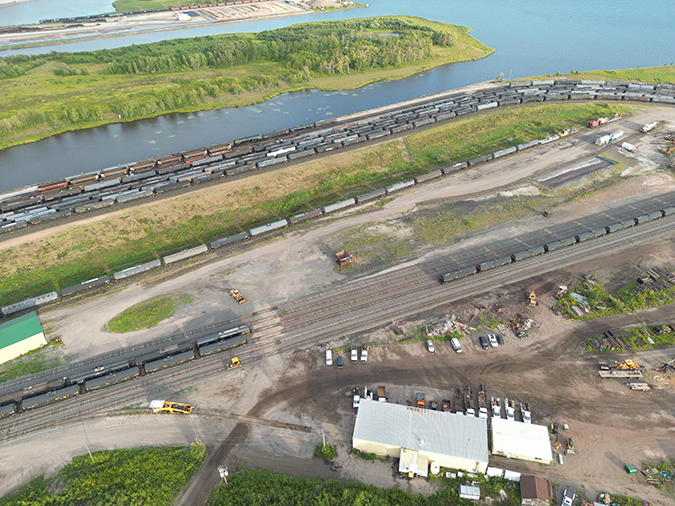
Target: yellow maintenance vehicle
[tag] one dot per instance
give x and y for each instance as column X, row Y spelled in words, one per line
column 532, row 298
column 236, row 295
column 627, row 365
column 170, row 407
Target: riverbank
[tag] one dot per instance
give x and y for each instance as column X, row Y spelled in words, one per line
column 656, row 75
column 84, row 90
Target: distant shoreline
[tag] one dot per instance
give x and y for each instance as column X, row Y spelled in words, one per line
column 7, row 3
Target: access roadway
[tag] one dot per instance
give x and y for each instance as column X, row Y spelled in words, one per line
column 354, row 307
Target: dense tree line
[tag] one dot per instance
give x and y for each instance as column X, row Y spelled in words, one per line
column 261, row 488
column 337, row 47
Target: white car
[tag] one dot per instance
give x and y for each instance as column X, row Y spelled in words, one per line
column 455, row 345
column 355, row 355
column 430, row 345
column 364, row 354
column 493, row 340
column 329, row 358
column 568, row 497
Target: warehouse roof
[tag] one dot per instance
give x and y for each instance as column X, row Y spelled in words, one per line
column 521, row 440
column 422, row 429
column 18, row 329
column 535, row 487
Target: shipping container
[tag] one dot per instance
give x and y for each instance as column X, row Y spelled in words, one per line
column 370, row 195
column 170, row 361
column 185, row 254
column 426, row 177
column 400, row 186
column 85, row 285
column 458, row 274
column 225, row 241
column 270, row 227
column 338, row 206
column 38, row 401
column 111, row 379
column 136, row 269
column 310, row 215
column 222, row 345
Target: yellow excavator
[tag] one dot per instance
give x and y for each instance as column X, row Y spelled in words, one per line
column 236, row 295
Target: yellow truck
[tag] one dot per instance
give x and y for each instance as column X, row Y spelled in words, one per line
column 170, row 407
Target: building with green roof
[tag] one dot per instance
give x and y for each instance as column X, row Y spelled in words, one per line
column 19, row 336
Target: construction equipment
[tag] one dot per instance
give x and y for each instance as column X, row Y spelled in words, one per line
column 343, row 258
column 170, row 407
column 560, row 292
column 554, row 428
column 668, row 366
column 570, row 446
column 234, row 363
column 532, row 298
column 627, row 365
column 445, row 403
column 236, row 295
column 420, row 399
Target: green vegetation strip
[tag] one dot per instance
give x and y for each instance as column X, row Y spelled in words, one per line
column 29, row 365
column 656, row 75
column 47, row 94
column 136, row 477
column 147, row 314
column 251, row 486
column 600, row 302
column 140, row 234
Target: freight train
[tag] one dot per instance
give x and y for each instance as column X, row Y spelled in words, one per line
column 108, row 374
column 555, row 245
column 100, row 189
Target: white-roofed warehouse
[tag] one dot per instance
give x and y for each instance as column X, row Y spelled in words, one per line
column 523, row 441
column 452, row 440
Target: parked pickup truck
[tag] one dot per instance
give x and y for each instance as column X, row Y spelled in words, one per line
column 364, row 353
column 381, row 397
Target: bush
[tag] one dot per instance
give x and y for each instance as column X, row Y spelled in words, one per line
column 328, row 452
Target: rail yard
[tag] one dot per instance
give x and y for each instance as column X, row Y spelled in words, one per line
column 280, row 339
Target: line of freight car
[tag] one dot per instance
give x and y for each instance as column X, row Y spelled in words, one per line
column 108, row 375
column 557, row 244
column 463, row 102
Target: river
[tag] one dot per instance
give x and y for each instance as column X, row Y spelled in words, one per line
column 530, row 38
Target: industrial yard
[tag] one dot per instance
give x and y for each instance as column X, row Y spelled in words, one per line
column 274, row 409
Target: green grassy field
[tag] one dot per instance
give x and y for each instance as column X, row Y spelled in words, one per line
column 54, row 93
column 664, row 74
column 136, row 477
column 28, row 365
column 70, row 254
column 147, row 314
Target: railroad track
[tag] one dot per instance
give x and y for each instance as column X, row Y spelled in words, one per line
column 311, row 327
column 212, row 413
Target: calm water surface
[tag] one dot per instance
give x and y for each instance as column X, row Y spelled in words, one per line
column 530, row 38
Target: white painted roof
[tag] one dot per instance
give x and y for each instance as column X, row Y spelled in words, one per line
column 422, row 429
column 521, row 439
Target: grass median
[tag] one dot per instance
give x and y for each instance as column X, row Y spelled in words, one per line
column 68, row 254
column 147, row 314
